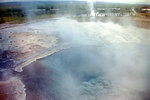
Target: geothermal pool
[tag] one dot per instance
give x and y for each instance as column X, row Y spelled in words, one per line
column 65, row 59
column 88, row 73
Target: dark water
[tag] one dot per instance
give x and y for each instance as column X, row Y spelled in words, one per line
column 82, row 73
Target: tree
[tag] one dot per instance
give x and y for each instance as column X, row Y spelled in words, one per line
column 2, row 20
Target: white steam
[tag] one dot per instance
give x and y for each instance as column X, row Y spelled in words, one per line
column 122, row 54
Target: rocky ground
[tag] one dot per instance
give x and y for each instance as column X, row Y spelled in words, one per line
column 15, row 49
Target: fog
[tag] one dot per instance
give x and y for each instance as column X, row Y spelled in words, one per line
column 105, row 61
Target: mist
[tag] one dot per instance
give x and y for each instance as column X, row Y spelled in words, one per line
column 104, row 61
column 95, row 59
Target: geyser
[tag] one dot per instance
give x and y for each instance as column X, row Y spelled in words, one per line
column 69, row 75
column 104, row 61
column 78, row 56
column 85, row 73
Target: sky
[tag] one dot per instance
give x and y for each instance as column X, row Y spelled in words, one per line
column 119, row 1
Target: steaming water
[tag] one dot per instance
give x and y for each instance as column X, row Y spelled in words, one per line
column 91, row 7
column 107, row 61
column 88, row 73
column 72, row 31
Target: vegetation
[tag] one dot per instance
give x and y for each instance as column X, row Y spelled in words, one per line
column 20, row 11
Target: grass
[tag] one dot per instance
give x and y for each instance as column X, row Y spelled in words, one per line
column 9, row 19
column 145, row 14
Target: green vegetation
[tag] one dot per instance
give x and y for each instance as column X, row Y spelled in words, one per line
column 21, row 11
column 8, row 19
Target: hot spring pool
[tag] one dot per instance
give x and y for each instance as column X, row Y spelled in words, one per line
column 81, row 73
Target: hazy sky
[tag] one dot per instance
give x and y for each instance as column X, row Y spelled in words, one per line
column 122, row 1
